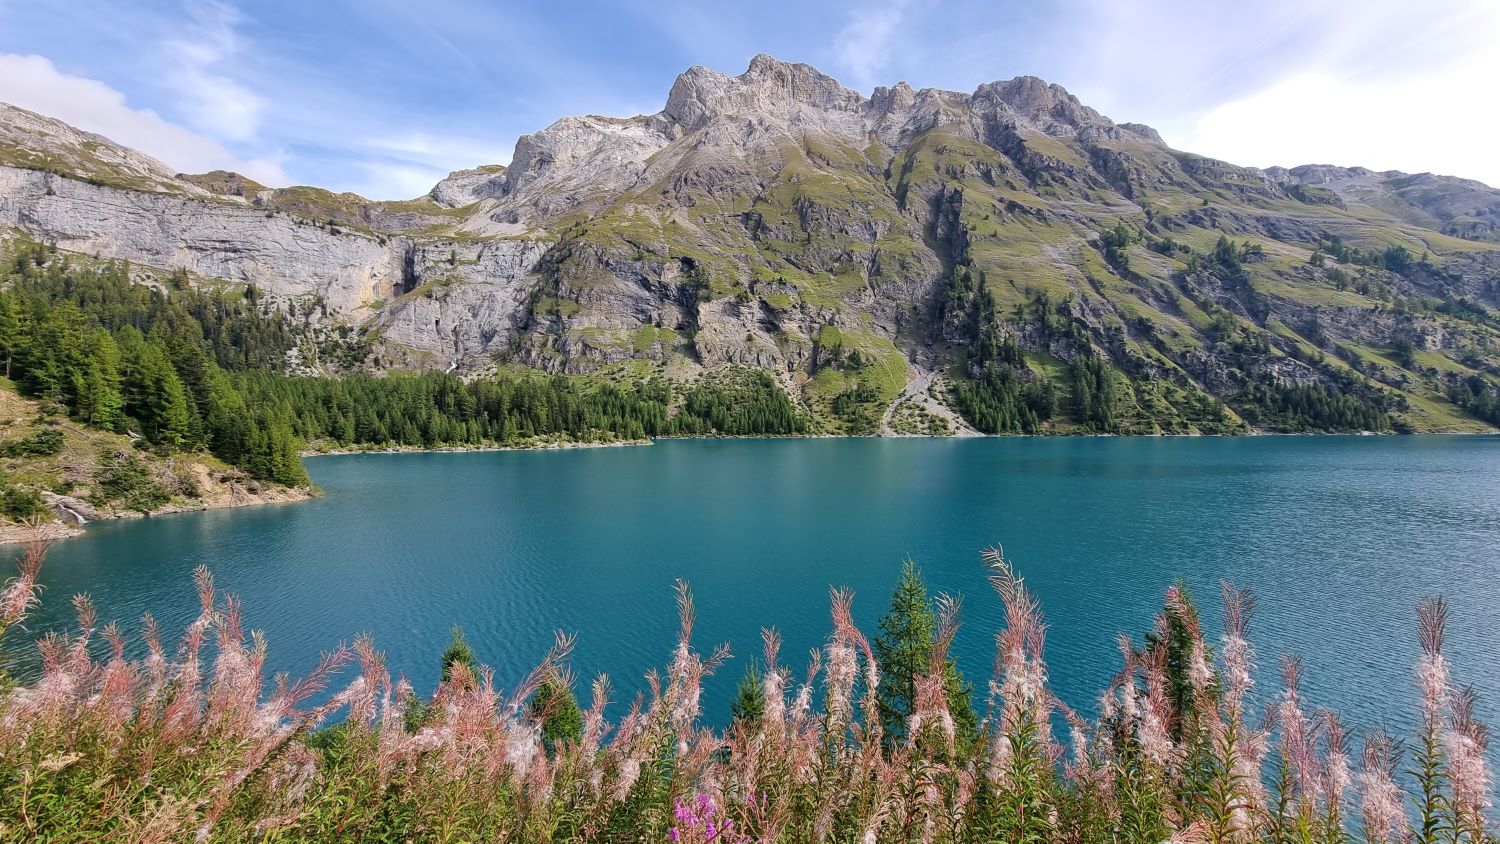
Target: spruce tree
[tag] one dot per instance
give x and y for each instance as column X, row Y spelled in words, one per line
column 159, row 401
column 459, row 652
column 903, row 651
column 749, row 704
column 555, row 704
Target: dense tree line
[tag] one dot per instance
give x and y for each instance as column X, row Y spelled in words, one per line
column 1297, row 407
column 1003, row 396
column 135, row 360
column 999, row 402
column 747, row 403
column 436, row 409
column 230, row 326
column 1094, row 388
column 1479, row 397
column 186, row 370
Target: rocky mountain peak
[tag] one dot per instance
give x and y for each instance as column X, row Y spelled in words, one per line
column 1050, row 108
column 768, row 88
column 578, row 159
column 1143, row 131
column 898, row 97
column 464, row 187
column 225, row 183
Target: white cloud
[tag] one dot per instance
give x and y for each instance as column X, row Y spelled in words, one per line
column 405, row 166
column 396, row 181
column 1385, row 84
column 213, row 101
column 863, row 47
column 34, row 83
column 442, row 151
column 1439, row 122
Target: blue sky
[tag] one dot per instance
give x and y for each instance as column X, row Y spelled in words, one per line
column 383, row 97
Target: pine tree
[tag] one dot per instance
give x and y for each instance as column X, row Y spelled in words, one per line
column 459, row 652
column 903, row 651
column 227, row 419
column 159, row 400
column 284, row 458
column 555, row 705
column 749, row 704
column 99, row 401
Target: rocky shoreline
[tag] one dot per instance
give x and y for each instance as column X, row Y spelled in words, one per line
column 549, row 446
column 75, row 514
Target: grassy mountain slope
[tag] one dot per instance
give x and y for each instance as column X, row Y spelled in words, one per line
column 1102, row 249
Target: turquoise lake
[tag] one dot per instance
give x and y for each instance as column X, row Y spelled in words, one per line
column 1337, row 536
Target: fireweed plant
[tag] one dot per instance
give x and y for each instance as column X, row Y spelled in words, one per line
column 185, row 744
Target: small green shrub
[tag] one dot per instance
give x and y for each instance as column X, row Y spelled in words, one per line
column 125, row 482
column 18, row 504
column 44, row 443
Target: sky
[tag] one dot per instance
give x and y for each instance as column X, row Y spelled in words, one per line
column 384, row 97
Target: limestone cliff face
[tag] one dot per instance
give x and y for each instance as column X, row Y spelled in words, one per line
column 281, row 254
column 462, row 302
column 779, row 219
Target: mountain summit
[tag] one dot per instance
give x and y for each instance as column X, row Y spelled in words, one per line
column 912, row 260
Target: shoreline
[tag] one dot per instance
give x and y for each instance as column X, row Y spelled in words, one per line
column 969, row 436
column 466, row 449
column 15, row 534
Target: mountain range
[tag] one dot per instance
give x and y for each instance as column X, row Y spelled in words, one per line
column 914, row 261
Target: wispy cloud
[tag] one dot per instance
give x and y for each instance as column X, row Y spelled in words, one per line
column 34, row 83
column 403, row 166
column 440, row 150
column 864, row 46
column 214, row 102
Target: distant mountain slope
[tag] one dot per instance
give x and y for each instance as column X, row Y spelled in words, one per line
column 1038, row 265
column 1460, row 207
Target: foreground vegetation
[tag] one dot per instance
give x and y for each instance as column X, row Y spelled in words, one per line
column 877, row 741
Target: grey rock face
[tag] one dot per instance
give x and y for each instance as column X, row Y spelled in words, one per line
column 281, row 254
column 466, row 187
column 468, row 308
column 31, row 140
column 769, row 89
